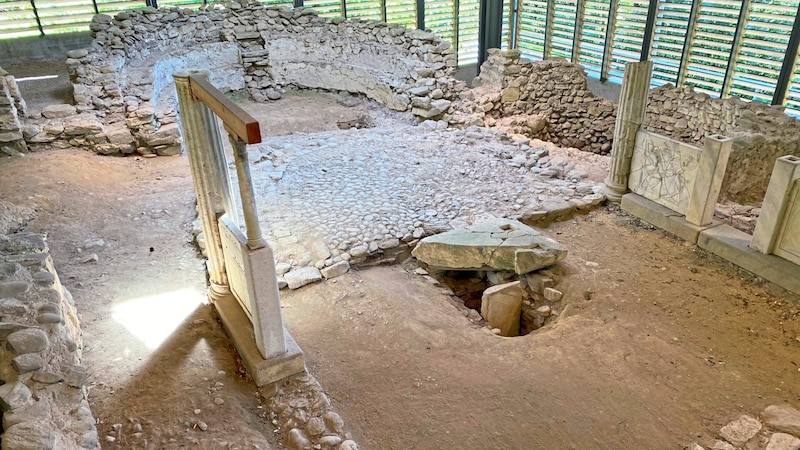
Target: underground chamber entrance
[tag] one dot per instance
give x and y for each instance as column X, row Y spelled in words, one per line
column 507, row 303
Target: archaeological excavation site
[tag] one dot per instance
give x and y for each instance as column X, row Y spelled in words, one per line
column 400, row 224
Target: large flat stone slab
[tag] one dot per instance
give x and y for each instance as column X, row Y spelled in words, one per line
column 501, row 306
column 498, row 244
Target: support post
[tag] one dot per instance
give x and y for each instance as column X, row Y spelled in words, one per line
column 773, row 210
column 609, row 39
column 787, row 69
column 490, row 28
column 630, row 116
column 649, row 28
column 247, row 193
column 708, row 181
column 210, row 174
column 420, row 14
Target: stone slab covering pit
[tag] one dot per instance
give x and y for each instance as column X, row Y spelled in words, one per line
column 501, row 244
column 43, row 395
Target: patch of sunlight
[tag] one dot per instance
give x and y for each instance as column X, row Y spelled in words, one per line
column 154, row 318
column 43, row 77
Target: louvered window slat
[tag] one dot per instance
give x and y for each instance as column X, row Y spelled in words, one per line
column 403, row 12
column 364, row 9
column 628, row 36
column 468, row 17
column 325, row 8
column 532, row 24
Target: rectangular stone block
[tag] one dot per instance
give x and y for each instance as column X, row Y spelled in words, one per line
column 647, row 210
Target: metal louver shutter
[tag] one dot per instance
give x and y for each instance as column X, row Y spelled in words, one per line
column 64, row 16
column 325, row 8
column 762, row 48
column 532, row 26
column 628, row 36
column 468, row 17
column 364, row 9
column 439, row 18
column 563, row 29
column 792, row 101
column 112, row 6
column 711, row 44
column 17, row 19
column 669, row 35
column 403, row 12
column 592, row 36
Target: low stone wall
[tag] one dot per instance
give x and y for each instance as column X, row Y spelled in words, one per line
column 43, row 394
column 547, row 100
column 550, row 100
column 12, row 106
column 125, row 76
column 761, row 134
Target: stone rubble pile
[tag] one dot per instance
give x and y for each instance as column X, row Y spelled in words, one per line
column 12, row 108
column 124, row 78
column 547, row 100
column 303, row 414
column 43, row 393
column 778, row 429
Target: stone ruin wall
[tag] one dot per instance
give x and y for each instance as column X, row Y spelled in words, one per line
column 550, row 100
column 43, row 393
column 120, row 81
column 547, row 100
column 12, row 107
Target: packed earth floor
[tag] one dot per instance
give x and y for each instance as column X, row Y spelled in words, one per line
column 658, row 345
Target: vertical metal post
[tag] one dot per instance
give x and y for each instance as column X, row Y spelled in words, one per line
column 420, row 14
column 576, row 36
column 94, row 4
column 343, row 7
column 490, row 28
column 736, row 45
column 456, row 26
column 298, row 3
column 516, row 15
column 610, row 25
column 548, row 28
column 383, row 11
column 255, row 239
column 789, row 61
column 687, row 42
column 36, row 15
column 210, row 175
column 649, row 28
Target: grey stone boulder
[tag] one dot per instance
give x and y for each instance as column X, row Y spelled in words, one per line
column 783, row 441
column 29, row 362
column 336, row 270
column 498, row 244
column 300, row 277
column 14, row 395
column 81, row 125
column 166, row 135
column 29, row 436
column 31, row 340
column 58, row 111
column 501, row 306
column 782, row 418
column 741, row 430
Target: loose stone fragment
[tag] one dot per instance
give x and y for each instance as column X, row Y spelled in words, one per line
column 741, row 430
column 501, row 306
column 782, row 418
column 300, row 277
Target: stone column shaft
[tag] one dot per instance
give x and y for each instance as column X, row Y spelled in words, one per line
column 209, row 173
column 630, row 116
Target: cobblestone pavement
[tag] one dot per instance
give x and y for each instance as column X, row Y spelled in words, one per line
column 350, row 194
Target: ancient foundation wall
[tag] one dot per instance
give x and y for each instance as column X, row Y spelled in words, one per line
column 43, row 394
column 12, row 106
column 125, row 75
column 550, row 100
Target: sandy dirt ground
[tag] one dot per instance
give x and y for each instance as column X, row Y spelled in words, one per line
column 659, row 345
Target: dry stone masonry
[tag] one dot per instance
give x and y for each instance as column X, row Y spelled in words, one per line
column 550, row 100
column 43, row 394
column 778, row 429
column 12, row 107
column 122, row 82
column 547, row 100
